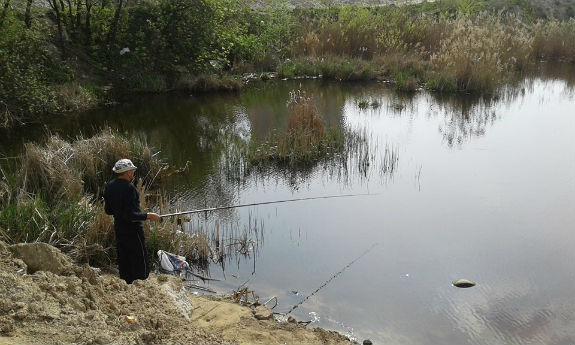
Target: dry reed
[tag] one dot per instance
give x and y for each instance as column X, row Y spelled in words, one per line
column 60, row 169
column 478, row 54
column 553, row 40
column 74, row 97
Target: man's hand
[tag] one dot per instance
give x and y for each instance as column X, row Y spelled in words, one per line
column 153, row 216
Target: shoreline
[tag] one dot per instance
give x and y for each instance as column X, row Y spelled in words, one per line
column 48, row 299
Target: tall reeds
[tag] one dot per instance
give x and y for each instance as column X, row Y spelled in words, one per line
column 306, row 143
column 305, row 140
column 52, row 194
column 477, row 54
column 466, row 49
column 59, row 168
column 553, row 40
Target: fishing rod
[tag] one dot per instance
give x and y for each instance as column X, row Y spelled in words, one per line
column 258, row 203
column 332, row 278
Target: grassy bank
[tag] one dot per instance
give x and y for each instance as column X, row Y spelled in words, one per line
column 53, row 193
column 71, row 57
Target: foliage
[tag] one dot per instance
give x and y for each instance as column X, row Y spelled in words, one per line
column 165, row 34
column 265, row 38
column 24, row 79
column 162, row 45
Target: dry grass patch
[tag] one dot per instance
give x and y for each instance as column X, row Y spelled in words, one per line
column 479, row 54
column 60, row 168
column 553, row 40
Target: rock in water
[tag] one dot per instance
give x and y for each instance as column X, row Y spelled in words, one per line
column 463, row 283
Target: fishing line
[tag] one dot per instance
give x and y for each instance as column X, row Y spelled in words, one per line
column 258, row 203
column 332, row 278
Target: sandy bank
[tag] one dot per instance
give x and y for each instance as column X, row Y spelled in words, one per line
column 46, row 299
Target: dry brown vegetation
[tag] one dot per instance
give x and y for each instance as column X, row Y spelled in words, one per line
column 305, row 141
column 461, row 51
column 53, row 197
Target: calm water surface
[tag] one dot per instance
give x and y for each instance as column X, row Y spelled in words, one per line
column 483, row 190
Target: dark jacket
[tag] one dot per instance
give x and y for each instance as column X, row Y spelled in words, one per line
column 123, row 202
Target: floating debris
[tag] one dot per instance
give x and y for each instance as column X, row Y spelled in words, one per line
column 463, row 283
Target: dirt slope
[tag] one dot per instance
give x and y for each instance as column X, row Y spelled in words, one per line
column 76, row 306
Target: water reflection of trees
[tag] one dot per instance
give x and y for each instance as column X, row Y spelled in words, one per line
column 467, row 116
column 464, row 117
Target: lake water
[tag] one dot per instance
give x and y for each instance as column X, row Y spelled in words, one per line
column 482, row 190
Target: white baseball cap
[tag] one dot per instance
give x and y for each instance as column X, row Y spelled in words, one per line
column 123, row 165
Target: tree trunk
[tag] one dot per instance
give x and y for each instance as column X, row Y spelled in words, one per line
column 78, row 14
column 28, row 14
column 70, row 16
column 54, row 5
column 114, row 25
column 88, row 27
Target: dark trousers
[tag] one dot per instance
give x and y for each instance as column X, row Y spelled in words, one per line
column 132, row 255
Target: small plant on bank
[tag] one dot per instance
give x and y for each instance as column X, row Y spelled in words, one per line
column 405, row 82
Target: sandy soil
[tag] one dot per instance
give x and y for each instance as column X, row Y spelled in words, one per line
column 45, row 299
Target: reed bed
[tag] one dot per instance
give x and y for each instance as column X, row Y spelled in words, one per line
column 463, row 50
column 306, row 144
column 329, row 67
column 50, row 196
column 553, row 40
column 305, row 141
column 477, row 55
column 75, row 97
column 59, row 168
column 208, row 83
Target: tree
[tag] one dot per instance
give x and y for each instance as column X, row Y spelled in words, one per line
column 57, row 13
column 4, row 11
column 114, row 25
column 88, row 25
column 28, row 14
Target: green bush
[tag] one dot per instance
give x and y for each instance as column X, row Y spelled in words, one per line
column 441, row 83
column 24, row 84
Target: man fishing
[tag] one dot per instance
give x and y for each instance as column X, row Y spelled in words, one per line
column 122, row 200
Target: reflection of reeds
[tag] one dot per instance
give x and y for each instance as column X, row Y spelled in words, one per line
column 389, row 161
column 364, row 104
column 217, row 242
